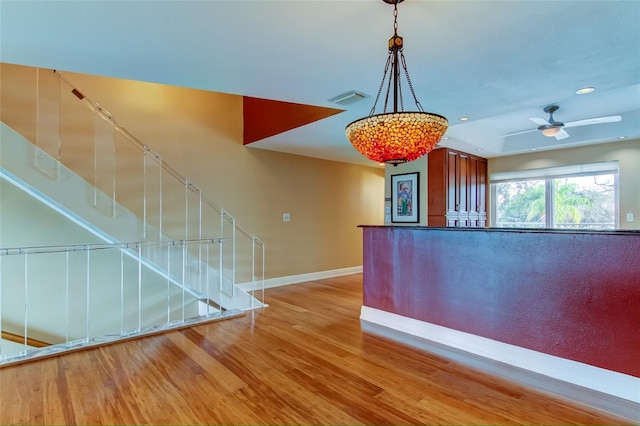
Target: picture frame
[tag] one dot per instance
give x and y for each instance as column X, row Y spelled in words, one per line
column 405, row 200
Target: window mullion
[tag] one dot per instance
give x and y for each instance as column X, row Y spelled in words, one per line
column 550, row 208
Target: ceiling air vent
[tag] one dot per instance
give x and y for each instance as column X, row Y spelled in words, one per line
column 348, row 98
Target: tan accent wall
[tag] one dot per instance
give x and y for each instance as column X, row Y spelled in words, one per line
column 627, row 153
column 199, row 134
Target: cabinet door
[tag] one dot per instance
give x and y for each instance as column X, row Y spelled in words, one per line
column 453, row 191
column 482, row 186
column 463, row 183
column 437, row 220
column 437, row 186
column 457, row 182
column 472, row 179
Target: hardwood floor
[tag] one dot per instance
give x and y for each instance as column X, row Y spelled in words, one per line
column 303, row 360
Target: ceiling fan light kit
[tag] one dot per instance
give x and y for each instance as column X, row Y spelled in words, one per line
column 552, row 128
column 396, row 137
column 549, row 131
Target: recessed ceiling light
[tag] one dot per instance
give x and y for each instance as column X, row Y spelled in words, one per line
column 478, row 149
column 585, row 90
column 463, row 118
column 446, row 138
column 534, row 149
column 622, row 137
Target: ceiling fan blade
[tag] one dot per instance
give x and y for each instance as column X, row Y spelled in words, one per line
column 599, row 120
column 539, row 121
column 561, row 135
column 519, row 133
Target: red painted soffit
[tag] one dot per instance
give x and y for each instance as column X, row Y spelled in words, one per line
column 264, row 117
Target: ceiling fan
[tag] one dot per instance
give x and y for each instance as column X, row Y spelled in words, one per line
column 553, row 128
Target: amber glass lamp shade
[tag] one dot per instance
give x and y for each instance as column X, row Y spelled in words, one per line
column 397, row 137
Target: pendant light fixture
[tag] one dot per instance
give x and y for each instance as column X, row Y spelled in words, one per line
column 396, row 136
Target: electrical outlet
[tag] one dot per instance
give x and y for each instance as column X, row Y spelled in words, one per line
column 630, row 217
column 286, row 217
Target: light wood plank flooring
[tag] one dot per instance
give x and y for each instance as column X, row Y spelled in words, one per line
column 303, row 360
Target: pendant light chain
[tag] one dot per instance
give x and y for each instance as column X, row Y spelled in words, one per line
column 395, row 19
column 386, row 68
column 404, row 63
column 406, row 73
column 384, row 76
column 386, row 99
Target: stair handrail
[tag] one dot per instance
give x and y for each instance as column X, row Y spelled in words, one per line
column 134, row 245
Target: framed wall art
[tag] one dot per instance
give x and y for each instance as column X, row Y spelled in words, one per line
column 404, row 198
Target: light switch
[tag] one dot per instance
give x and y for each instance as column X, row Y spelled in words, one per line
column 286, row 217
column 630, row 217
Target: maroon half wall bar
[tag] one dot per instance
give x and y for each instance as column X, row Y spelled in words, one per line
column 570, row 294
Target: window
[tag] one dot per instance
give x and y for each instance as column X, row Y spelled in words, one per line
column 573, row 197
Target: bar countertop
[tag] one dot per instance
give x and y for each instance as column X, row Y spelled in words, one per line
column 515, row 230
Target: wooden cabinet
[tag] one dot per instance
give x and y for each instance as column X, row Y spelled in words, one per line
column 457, row 189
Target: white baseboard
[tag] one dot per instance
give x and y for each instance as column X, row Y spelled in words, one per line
column 601, row 380
column 303, row 278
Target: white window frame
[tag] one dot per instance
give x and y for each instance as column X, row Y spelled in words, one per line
column 548, row 174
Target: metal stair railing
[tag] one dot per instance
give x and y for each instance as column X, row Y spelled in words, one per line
column 71, row 297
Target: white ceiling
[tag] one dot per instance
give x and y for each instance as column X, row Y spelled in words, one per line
column 497, row 62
